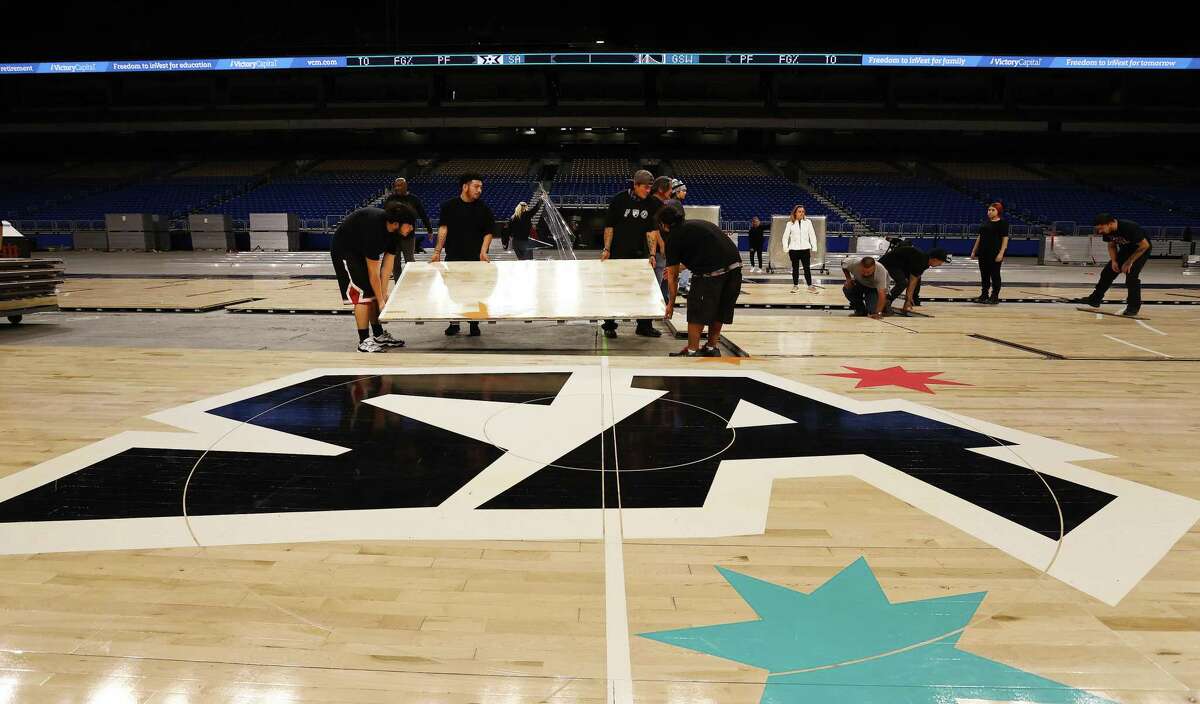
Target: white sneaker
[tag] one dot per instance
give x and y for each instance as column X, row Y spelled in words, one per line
column 370, row 345
column 795, row 289
column 385, row 339
column 812, row 289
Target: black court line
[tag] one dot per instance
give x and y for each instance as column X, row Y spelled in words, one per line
column 733, row 347
column 280, row 310
column 882, row 320
column 207, row 293
column 218, row 276
column 1015, row 345
column 152, row 309
column 1132, row 359
column 1057, row 301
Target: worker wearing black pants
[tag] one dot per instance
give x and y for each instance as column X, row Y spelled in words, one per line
column 1128, row 250
column 990, row 247
column 801, row 257
column 905, row 265
column 755, row 235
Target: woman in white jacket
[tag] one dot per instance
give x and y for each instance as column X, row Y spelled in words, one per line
column 800, row 240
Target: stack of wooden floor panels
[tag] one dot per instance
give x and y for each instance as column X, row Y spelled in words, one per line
column 29, row 286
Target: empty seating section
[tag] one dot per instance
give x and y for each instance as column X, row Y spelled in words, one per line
column 590, row 180
column 847, row 167
column 394, row 166
column 233, row 170
column 987, row 172
column 500, row 194
column 901, row 200
column 65, row 194
column 311, row 194
column 1061, row 201
column 743, row 198
column 171, row 197
column 1183, row 199
column 1157, row 197
column 111, row 171
column 618, row 170
column 689, row 168
column 506, row 169
column 20, row 197
column 174, row 195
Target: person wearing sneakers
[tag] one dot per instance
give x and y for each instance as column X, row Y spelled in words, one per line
column 865, row 286
column 465, row 229
column 905, row 265
column 800, row 240
column 662, row 191
column 989, row 248
column 716, row 266
column 363, row 253
column 1128, row 250
column 679, row 193
column 629, row 234
column 755, row 234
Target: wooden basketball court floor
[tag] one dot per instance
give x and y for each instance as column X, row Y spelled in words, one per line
column 858, row 511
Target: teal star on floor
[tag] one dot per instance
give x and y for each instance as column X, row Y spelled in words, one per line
column 825, row 646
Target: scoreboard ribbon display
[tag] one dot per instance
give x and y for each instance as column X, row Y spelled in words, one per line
column 631, row 59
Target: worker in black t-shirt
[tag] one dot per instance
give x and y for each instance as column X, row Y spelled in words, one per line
column 363, row 254
column 465, row 229
column 757, row 228
column 990, row 247
column 905, row 265
column 1128, row 250
column 716, row 266
column 411, row 245
column 629, row 233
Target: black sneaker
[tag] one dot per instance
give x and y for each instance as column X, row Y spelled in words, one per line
column 1130, row 312
column 610, row 333
column 1085, row 302
column 982, row 299
column 710, row 351
column 453, row 329
column 386, row 340
column 475, row 330
column 648, row 332
column 993, row 301
column 685, row 352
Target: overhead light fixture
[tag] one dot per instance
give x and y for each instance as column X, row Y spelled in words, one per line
column 531, row 131
column 670, row 131
column 599, row 41
column 587, row 129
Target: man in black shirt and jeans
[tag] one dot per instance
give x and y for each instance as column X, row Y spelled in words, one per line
column 1128, row 250
column 629, row 233
column 716, row 266
column 400, row 193
column 906, row 265
column 363, row 253
column 465, row 229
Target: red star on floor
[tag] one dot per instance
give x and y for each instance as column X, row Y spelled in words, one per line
column 895, row 376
